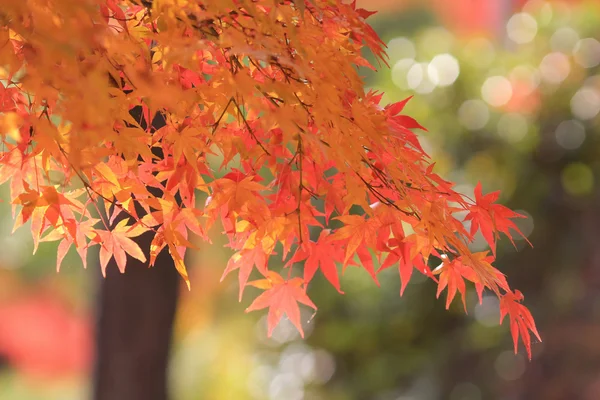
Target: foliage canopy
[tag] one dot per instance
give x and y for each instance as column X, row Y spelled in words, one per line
column 111, row 111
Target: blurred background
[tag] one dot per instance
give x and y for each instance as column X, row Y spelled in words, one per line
column 510, row 93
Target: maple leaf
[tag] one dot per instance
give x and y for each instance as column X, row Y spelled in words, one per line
column 402, row 121
column 401, row 254
column 322, row 254
column 356, row 230
column 492, row 218
column 84, row 229
column 239, row 193
column 521, row 321
column 479, row 270
column 282, row 298
column 357, row 235
column 451, row 275
column 117, row 243
column 180, row 264
column 245, row 260
column 395, row 108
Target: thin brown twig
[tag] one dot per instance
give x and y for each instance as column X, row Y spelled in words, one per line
column 300, row 186
column 248, row 127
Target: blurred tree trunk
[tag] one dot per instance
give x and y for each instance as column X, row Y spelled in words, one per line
column 135, row 317
column 136, row 312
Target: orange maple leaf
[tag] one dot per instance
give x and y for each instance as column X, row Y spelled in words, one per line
column 323, row 254
column 521, row 321
column 117, row 243
column 492, row 218
column 282, row 297
column 452, row 274
column 245, row 260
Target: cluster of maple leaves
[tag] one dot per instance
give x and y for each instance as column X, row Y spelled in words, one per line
column 319, row 173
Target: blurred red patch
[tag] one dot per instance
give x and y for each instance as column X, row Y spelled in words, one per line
column 40, row 337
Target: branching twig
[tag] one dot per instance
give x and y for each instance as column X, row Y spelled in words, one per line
column 248, row 126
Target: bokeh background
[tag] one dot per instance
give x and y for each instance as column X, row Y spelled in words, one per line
column 510, row 93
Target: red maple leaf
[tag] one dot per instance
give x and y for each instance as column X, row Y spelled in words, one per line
column 320, row 254
column 282, row 297
column 452, row 274
column 358, row 235
column 245, row 260
column 492, row 218
column 521, row 321
column 400, row 255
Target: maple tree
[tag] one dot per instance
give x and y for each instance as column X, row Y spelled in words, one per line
column 318, row 172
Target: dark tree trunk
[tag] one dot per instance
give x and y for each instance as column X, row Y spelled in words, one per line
column 135, row 318
column 136, row 312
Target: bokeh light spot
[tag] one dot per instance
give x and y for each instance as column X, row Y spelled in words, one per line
column 587, row 52
column 521, row 28
column 421, row 78
column 415, row 75
column 577, row 179
column 564, row 39
column 286, row 386
column 585, row 104
column 473, row 114
column 555, row 67
column 324, row 366
column 496, row 91
column 570, row 134
column 446, row 68
column 400, row 72
column 488, row 312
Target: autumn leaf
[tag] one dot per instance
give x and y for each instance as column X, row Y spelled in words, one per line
column 358, row 235
column 244, row 261
column 452, row 276
column 322, row 255
column 521, row 321
column 401, row 254
column 395, row 108
column 491, row 218
column 282, row 298
column 117, row 243
column 179, row 265
column 356, row 230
